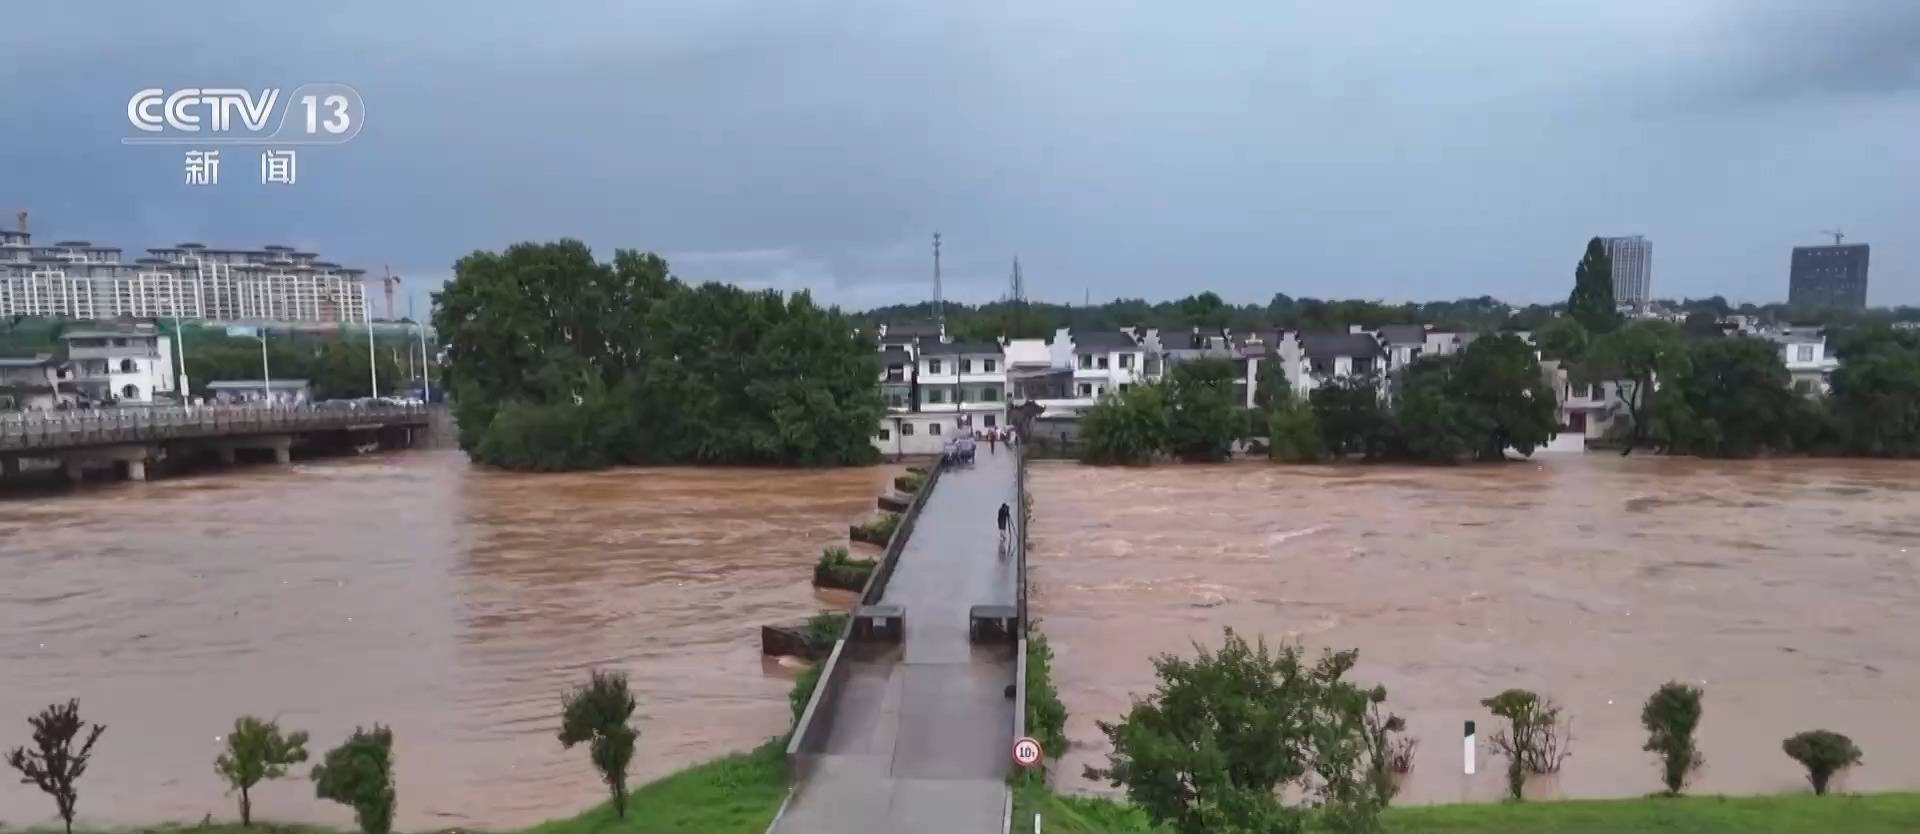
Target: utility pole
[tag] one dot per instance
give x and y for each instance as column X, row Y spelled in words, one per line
column 939, row 313
column 373, row 362
column 1019, row 286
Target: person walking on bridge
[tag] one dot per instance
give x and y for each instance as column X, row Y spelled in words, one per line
column 1006, row 520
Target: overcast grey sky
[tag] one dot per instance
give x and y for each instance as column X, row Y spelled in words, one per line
column 1397, row 150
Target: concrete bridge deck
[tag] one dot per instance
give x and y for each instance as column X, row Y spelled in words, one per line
column 919, row 735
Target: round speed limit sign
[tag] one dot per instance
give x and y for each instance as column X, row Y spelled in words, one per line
column 1026, row 751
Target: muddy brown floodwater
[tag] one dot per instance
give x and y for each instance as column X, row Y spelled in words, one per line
column 1789, row 590
column 451, row 603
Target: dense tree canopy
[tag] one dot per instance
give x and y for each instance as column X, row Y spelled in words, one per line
column 1351, row 418
column 1876, row 392
column 1248, row 739
column 1126, row 428
column 1203, row 420
column 1591, row 303
column 1732, row 400
column 556, row 360
column 1642, row 355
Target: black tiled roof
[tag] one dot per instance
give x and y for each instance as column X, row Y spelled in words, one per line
column 949, row 348
column 1327, row 344
column 1403, row 334
column 1103, row 340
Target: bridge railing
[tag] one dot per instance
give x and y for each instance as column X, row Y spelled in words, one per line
column 21, row 431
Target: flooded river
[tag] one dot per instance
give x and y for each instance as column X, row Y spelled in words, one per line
column 451, row 603
column 1790, row 590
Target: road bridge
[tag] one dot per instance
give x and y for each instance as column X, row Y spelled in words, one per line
column 133, row 437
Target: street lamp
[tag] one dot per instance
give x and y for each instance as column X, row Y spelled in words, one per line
column 266, row 375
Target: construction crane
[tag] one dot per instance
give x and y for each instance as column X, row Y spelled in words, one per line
column 1837, row 235
column 388, row 283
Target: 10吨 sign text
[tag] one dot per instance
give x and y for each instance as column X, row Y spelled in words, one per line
column 208, row 118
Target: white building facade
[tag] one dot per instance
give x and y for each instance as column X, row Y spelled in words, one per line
column 1632, row 258
column 77, row 279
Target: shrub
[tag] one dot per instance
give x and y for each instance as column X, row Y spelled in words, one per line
column 1670, row 715
column 824, row 628
column 1228, row 738
column 256, row 750
column 910, row 482
column 802, row 691
column 836, row 569
column 52, row 766
column 597, row 713
column 359, row 773
column 1822, row 753
column 877, row 530
column 1126, row 428
column 1293, row 435
column 1535, row 739
column 1046, row 715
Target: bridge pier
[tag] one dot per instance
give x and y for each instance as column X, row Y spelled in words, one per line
column 135, row 470
column 281, row 444
column 75, row 468
column 9, row 467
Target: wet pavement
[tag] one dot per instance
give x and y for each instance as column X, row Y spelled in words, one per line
column 921, row 734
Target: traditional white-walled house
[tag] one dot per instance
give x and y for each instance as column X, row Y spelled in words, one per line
column 1105, row 362
column 1327, row 356
column 1804, row 351
column 125, row 364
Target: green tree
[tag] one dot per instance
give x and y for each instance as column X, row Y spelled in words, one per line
column 1500, row 383
column 1225, row 735
column 1202, row 418
column 1641, row 356
column 1534, row 739
column 1350, row 417
column 1591, row 302
column 1293, row 435
column 1702, row 325
column 256, row 750
column 1126, row 428
column 359, row 774
column 1671, row 715
column 1823, row 753
column 1733, row 401
column 597, row 713
column 1563, row 338
column 1046, row 714
column 595, row 364
column 1876, row 392
column 53, row 766
column 1435, row 423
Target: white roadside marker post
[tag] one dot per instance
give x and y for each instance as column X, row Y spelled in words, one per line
column 1467, row 751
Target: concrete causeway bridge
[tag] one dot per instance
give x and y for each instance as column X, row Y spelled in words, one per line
column 131, row 438
column 912, row 725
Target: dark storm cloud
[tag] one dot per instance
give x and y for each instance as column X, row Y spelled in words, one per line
column 1780, row 51
column 1384, row 149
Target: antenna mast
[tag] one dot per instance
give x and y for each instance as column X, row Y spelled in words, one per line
column 939, row 314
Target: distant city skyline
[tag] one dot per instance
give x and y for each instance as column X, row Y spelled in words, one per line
column 1119, row 151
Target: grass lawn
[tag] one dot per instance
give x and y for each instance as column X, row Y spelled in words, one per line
column 736, row 794
column 1887, row 813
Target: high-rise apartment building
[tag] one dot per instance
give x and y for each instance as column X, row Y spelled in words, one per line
column 76, row 279
column 1829, row 276
column 1632, row 270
